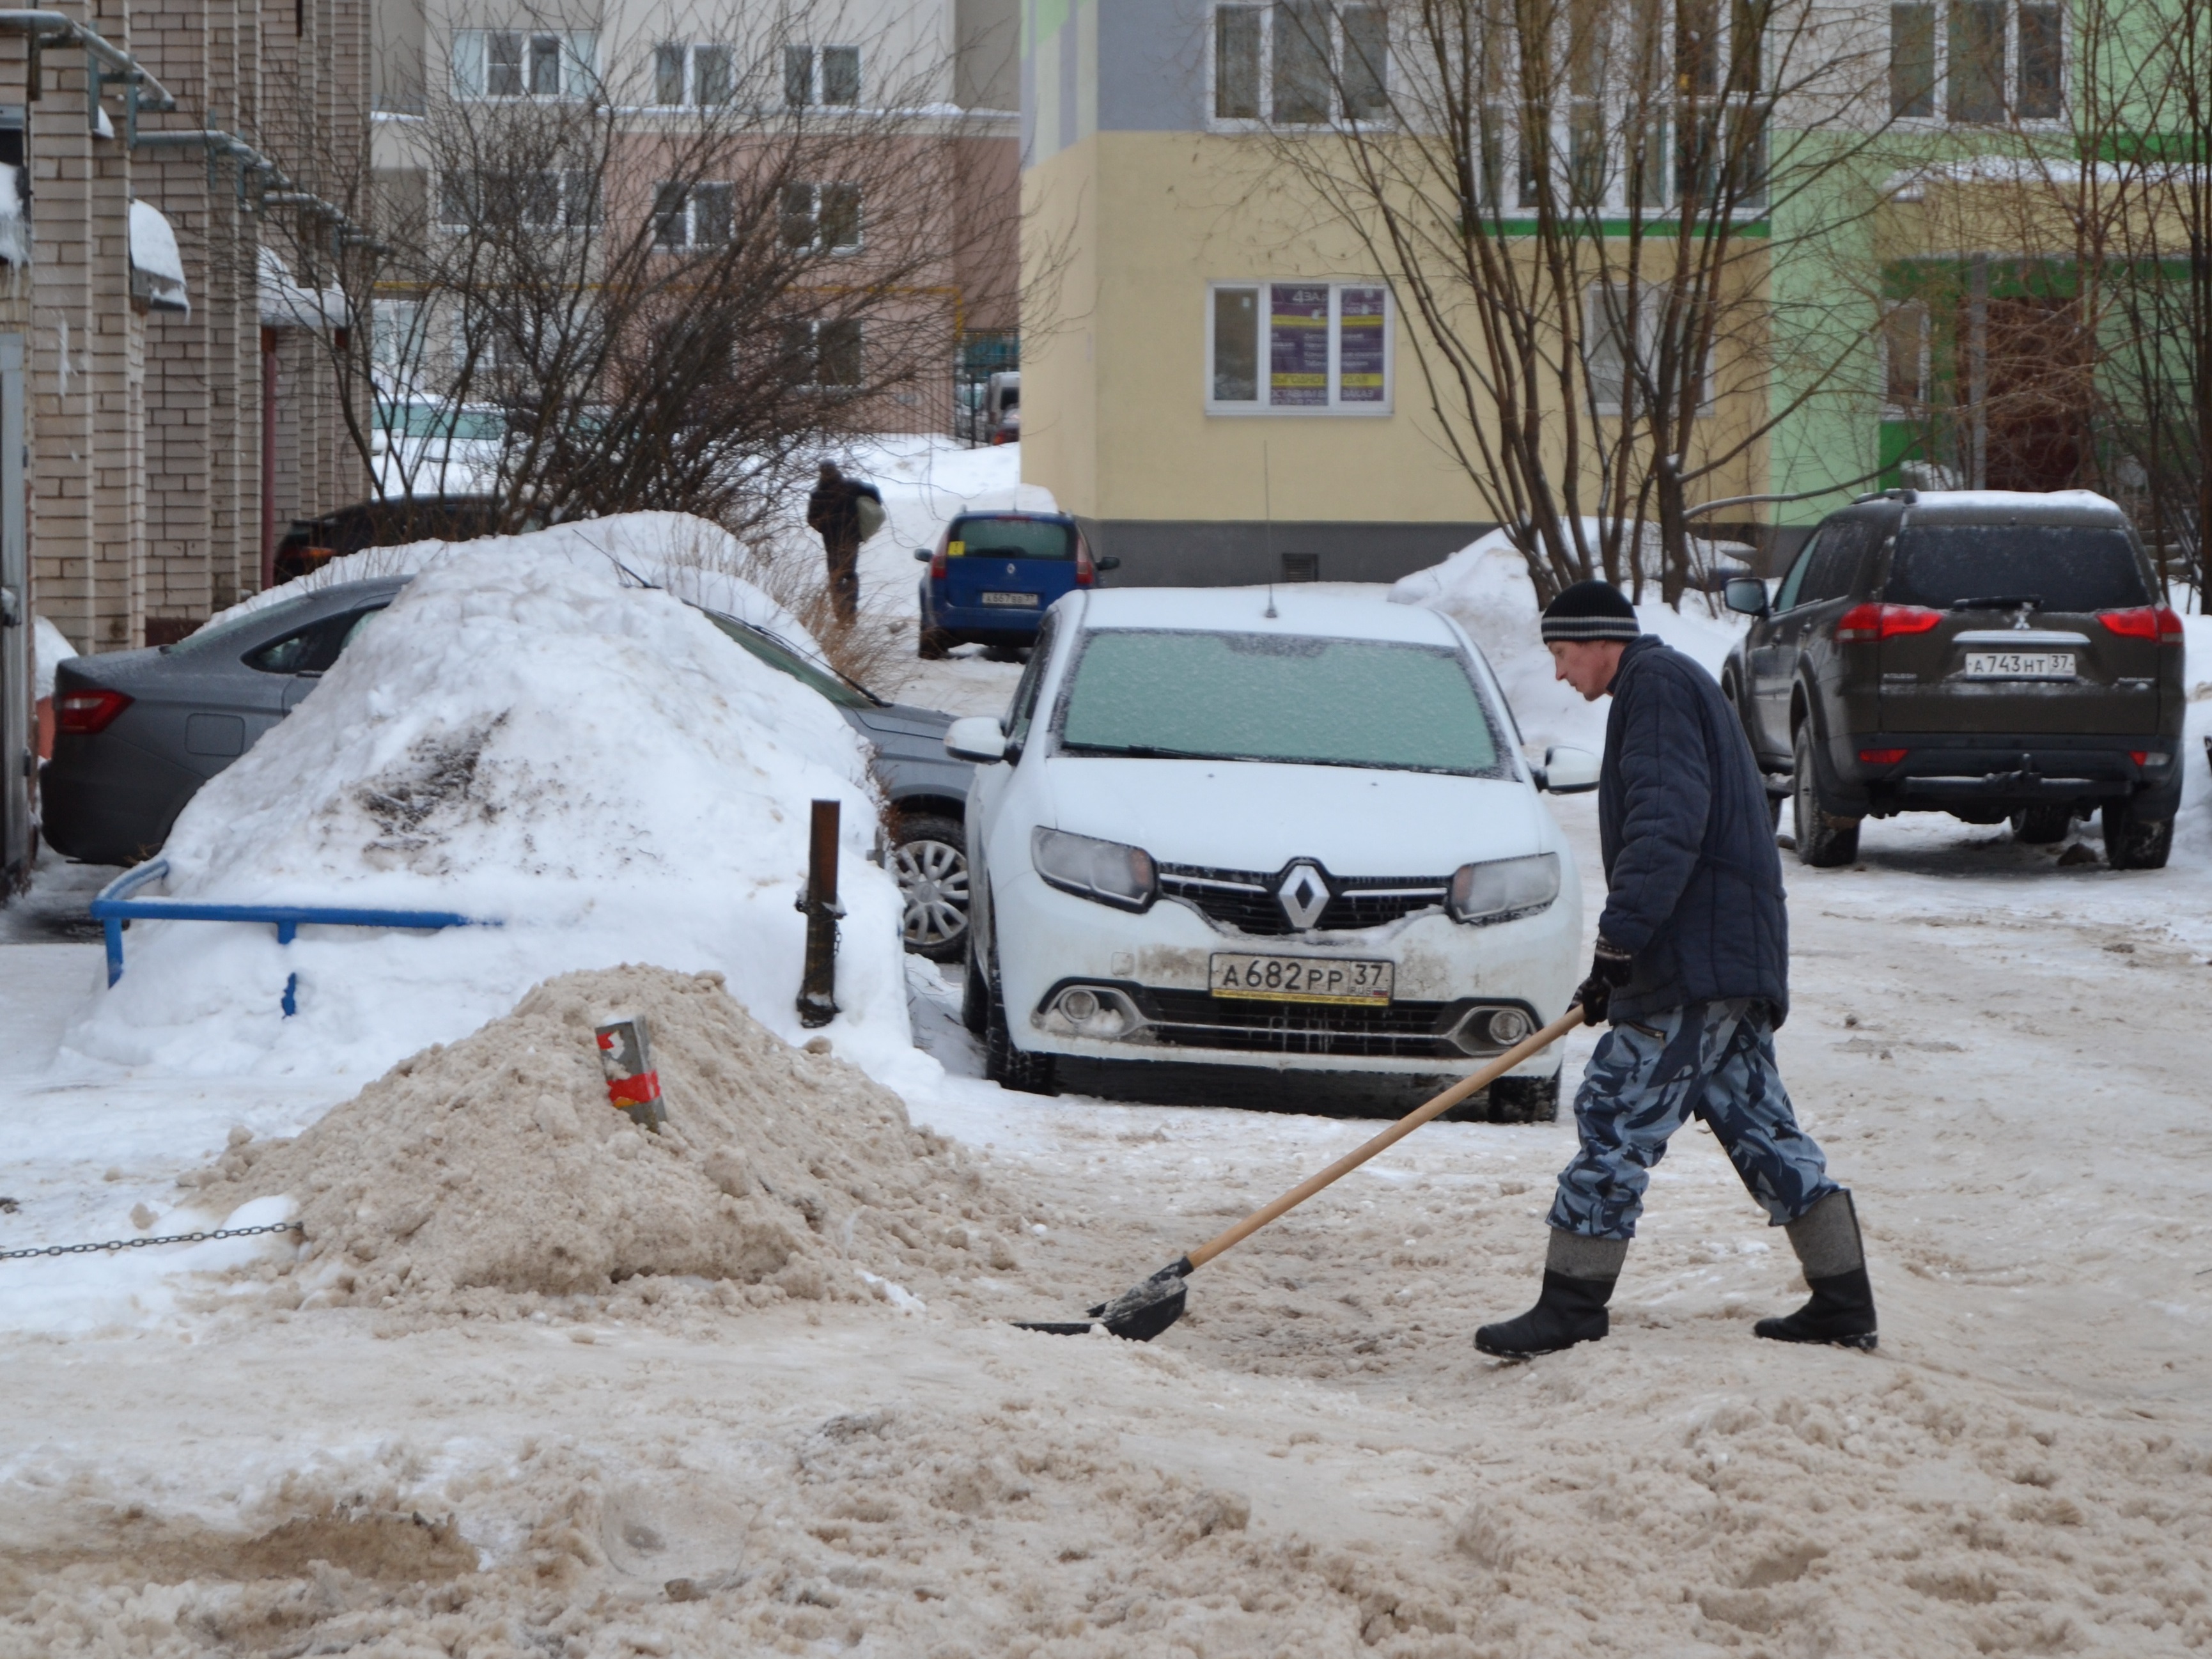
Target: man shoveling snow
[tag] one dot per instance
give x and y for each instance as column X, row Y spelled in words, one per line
column 1692, row 968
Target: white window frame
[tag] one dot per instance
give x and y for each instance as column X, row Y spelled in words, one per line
column 1336, row 408
column 396, row 338
column 1265, row 120
column 470, row 64
column 814, row 327
column 814, row 217
column 571, row 186
column 691, row 242
column 691, row 95
column 1923, row 371
column 1596, row 314
column 815, row 74
column 1942, row 118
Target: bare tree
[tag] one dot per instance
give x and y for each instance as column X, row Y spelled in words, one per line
column 663, row 272
column 1583, row 204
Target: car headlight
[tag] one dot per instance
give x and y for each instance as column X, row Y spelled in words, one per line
column 1501, row 888
column 1102, row 870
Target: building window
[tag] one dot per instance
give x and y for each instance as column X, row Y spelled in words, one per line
column 518, row 63
column 822, row 218
column 821, row 75
column 1299, row 348
column 702, row 215
column 1904, row 360
column 825, row 355
column 1301, row 63
column 1606, row 360
column 702, row 76
column 396, row 333
column 1988, row 60
column 535, row 201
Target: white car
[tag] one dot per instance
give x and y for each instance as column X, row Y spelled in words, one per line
column 1287, row 828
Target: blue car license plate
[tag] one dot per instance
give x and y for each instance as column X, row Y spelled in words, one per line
column 1023, row 601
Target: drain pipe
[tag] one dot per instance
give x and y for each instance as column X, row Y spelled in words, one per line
column 268, row 458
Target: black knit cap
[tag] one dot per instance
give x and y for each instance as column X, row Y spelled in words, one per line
column 1589, row 610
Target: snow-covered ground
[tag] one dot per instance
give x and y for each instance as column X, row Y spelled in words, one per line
column 2002, row 1055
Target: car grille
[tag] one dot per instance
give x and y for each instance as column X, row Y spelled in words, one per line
column 1399, row 1030
column 1245, row 900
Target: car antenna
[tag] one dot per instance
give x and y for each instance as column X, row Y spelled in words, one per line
column 1267, row 532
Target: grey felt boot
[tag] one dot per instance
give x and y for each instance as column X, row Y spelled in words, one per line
column 1579, row 1275
column 1826, row 1240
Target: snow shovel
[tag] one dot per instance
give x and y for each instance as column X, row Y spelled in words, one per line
column 1145, row 1310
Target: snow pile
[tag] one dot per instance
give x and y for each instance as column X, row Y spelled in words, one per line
column 2192, row 829
column 498, row 1165
column 594, row 766
column 689, row 556
column 1485, row 588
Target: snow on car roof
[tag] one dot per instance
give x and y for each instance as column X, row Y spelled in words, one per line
column 1330, row 609
column 2074, row 504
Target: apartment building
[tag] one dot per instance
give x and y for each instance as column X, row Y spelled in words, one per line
column 941, row 73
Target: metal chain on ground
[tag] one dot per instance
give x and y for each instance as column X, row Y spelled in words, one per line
column 142, row 1243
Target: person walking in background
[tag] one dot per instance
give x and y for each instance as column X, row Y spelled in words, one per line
column 835, row 509
column 1693, row 971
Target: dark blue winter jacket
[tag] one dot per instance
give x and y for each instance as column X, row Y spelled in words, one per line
column 1694, row 883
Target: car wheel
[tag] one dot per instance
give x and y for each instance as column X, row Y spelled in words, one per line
column 2038, row 826
column 929, row 857
column 1525, row 1100
column 2135, row 843
column 1010, row 1067
column 1822, row 842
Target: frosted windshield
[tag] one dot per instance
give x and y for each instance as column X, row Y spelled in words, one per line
column 1269, row 697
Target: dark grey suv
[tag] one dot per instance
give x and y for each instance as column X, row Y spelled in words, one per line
column 1990, row 655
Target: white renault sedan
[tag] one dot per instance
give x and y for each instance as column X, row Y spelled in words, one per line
column 1287, row 828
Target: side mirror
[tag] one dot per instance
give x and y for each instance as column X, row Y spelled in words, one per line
column 1746, row 595
column 976, row 739
column 922, row 555
column 1107, row 561
column 1568, row 771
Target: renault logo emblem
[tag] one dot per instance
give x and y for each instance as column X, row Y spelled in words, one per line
column 1304, row 894
column 1010, row 570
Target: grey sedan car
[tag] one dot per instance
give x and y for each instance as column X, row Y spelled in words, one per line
column 139, row 732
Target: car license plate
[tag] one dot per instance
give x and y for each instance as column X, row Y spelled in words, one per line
column 1301, row 978
column 1026, row 600
column 2020, row 664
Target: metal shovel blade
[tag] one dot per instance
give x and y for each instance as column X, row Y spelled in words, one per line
column 1139, row 1314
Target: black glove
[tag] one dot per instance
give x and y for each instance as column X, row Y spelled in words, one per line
column 1610, row 968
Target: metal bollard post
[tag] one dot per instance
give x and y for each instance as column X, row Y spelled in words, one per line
column 818, row 985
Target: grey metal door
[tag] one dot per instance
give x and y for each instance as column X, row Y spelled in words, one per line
column 17, row 758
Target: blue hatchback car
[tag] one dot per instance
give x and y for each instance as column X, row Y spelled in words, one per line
column 991, row 575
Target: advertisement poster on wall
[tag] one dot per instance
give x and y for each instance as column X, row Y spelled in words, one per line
column 1297, row 345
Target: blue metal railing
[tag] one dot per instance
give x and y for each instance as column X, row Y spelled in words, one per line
column 116, row 906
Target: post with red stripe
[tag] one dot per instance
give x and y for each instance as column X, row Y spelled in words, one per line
column 817, row 984
column 626, row 1056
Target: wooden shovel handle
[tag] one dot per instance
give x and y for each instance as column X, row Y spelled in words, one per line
column 1530, row 1046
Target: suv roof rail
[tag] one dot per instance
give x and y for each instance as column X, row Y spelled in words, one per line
column 1906, row 496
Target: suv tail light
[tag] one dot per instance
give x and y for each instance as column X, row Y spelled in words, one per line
column 83, row 714
column 940, row 565
column 1086, row 573
column 2144, row 622
column 1879, row 622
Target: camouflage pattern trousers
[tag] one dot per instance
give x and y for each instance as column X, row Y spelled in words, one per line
column 1712, row 1061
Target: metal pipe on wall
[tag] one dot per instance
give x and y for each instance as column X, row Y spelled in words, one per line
column 268, row 458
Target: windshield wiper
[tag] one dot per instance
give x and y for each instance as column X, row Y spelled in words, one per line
column 1136, row 751
column 2000, row 602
